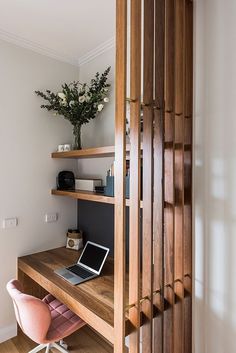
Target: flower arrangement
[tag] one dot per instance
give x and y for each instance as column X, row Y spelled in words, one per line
column 78, row 102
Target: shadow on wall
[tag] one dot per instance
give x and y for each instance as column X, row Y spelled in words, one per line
column 215, row 178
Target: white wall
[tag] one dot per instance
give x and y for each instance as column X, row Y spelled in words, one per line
column 100, row 131
column 28, row 135
column 215, row 176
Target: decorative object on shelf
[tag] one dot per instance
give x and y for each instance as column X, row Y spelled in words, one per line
column 66, row 180
column 74, row 239
column 79, row 102
column 87, row 184
column 109, row 188
column 60, row 148
column 67, row 147
column 64, row 148
column 99, row 189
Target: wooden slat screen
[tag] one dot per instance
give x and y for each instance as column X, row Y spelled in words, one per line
column 160, row 237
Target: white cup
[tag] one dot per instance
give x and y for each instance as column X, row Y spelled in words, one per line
column 60, row 148
column 67, row 147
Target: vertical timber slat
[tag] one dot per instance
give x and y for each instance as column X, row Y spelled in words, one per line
column 158, row 176
column 147, row 260
column 169, row 176
column 188, row 177
column 179, row 177
column 134, row 226
column 120, row 156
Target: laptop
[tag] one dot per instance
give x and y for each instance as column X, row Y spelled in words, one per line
column 89, row 265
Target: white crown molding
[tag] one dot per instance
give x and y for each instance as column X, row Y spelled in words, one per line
column 27, row 44
column 99, row 50
column 40, row 49
column 8, row 332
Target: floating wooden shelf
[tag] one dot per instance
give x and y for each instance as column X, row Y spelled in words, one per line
column 107, row 151
column 88, row 196
column 97, row 152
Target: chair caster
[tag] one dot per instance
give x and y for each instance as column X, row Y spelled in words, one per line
column 63, row 344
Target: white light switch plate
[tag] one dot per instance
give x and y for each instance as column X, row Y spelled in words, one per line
column 10, row 222
column 51, row 217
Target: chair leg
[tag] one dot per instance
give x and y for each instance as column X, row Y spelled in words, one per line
column 48, row 348
column 58, row 347
column 38, row 348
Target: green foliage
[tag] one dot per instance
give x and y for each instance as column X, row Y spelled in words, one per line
column 78, row 102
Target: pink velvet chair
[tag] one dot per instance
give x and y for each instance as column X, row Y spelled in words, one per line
column 44, row 321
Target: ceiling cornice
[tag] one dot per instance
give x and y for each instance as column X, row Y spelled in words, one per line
column 99, row 50
column 40, row 49
column 36, row 47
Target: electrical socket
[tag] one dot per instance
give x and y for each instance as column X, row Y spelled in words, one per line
column 51, row 217
column 10, row 222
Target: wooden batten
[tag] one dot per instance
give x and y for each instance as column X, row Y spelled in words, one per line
column 147, row 232
column 159, row 176
column 135, row 172
column 120, row 156
column 188, row 176
column 169, row 172
column 179, row 176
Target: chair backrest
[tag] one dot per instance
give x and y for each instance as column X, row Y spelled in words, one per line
column 32, row 314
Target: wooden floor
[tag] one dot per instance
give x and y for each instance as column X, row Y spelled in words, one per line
column 82, row 341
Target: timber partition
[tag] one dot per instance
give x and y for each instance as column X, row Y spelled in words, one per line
column 160, row 254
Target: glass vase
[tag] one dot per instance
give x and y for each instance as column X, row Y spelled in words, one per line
column 77, row 137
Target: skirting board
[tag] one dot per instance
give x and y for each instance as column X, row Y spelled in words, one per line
column 8, row 332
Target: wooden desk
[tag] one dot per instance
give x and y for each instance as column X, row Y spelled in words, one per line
column 93, row 301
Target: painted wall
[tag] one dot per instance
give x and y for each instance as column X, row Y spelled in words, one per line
column 100, row 131
column 27, row 137
column 215, row 176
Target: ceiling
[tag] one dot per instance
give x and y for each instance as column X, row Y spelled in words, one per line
column 66, row 29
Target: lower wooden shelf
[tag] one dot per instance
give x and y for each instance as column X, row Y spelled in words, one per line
column 88, row 196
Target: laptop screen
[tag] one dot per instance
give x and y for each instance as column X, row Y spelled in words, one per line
column 93, row 256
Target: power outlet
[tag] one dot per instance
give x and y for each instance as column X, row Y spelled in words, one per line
column 51, row 217
column 10, row 222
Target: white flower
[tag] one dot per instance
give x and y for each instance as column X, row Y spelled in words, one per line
column 55, row 114
column 71, row 103
column 105, row 89
column 61, row 95
column 106, row 99
column 82, row 99
column 87, row 98
column 63, row 102
column 100, row 107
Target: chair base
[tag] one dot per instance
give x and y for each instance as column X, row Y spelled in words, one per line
column 48, row 346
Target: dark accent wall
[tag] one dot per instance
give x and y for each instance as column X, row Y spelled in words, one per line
column 96, row 220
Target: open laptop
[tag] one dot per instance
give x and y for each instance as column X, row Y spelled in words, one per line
column 89, row 265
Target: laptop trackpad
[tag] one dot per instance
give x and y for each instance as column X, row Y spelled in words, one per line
column 68, row 275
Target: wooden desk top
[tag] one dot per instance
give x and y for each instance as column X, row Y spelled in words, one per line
column 93, row 300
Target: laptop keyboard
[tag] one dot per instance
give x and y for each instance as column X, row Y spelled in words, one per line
column 77, row 270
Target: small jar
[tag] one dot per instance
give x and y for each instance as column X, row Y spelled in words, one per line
column 74, row 239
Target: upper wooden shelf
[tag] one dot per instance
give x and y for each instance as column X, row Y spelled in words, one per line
column 106, row 151
column 95, row 152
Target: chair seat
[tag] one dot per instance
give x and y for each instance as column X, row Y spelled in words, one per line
column 64, row 321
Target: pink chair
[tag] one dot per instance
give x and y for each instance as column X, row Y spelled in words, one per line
column 44, row 321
